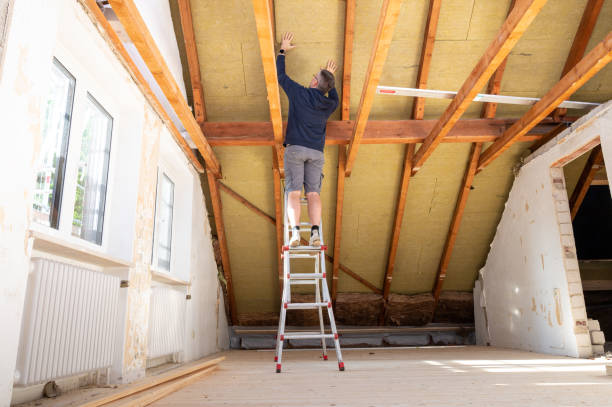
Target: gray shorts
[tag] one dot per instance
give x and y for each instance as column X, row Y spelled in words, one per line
column 303, row 166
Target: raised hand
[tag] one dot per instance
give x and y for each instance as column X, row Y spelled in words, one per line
column 331, row 66
column 286, row 41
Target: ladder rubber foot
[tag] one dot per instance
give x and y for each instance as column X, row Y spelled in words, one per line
column 324, row 357
column 340, row 366
column 278, row 368
column 276, row 358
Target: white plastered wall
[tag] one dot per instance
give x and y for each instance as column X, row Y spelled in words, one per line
column 529, row 293
column 64, row 30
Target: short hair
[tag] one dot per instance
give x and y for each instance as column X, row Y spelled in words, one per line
column 326, row 81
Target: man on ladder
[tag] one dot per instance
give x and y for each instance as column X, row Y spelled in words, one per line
column 309, row 110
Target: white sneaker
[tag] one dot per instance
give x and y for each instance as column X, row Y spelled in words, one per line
column 315, row 238
column 294, row 240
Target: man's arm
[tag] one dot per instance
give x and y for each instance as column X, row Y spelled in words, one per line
column 289, row 85
column 333, row 94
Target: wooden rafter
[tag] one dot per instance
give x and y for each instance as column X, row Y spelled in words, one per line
column 429, row 38
column 137, row 30
column 466, row 186
column 581, row 40
column 489, row 109
column 592, row 63
column 271, row 219
column 349, row 32
column 338, row 223
column 593, row 164
column 418, row 111
column 549, row 136
column 193, row 63
column 386, row 25
column 213, row 186
column 399, row 215
column 511, row 31
column 263, row 20
column 377, row 132
column 112, row 37
column 488, row 112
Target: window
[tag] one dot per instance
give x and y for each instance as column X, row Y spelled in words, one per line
column 50, row 169
column 162, row 236
column 92, row 175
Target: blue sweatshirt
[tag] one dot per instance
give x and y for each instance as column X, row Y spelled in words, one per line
column 309, row 110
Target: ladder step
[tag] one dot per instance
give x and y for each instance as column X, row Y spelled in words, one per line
column 309, row 335
column 306, row 305
column 303, row 282
column 305, row 248
column 298, row 276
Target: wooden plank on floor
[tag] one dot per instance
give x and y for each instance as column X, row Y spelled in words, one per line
column 153, row 381
column 386, row 25
column 511, row 31
column 137, row 30
column 592, row 63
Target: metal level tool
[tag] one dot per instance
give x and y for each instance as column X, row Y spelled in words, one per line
column 316, row 279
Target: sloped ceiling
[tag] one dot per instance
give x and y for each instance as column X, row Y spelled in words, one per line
column 234, row 89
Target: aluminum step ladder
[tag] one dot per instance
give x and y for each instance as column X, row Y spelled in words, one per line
column 316, row 279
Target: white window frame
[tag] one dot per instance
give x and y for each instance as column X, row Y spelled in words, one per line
column 161, row 172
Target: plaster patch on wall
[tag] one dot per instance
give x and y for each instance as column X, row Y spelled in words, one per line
column 140, row 278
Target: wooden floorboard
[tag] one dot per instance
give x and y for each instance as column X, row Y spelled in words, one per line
column 435, row 376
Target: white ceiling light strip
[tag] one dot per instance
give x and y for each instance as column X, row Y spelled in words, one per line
column 481, row 97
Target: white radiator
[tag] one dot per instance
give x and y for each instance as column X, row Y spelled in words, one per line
column 69, row 322
column 166, row 321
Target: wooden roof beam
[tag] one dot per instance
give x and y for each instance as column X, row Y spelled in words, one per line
column 386, row 25
column 265, row 34
column 213, row 185
column 592, row 63
column 349, row 32
column 418, row 111
column 511, row 31
column 429, row 38
column 377, row 132
column 136, row 28
column 593, row 164
column 111, row 36
column 193, row 63
column 581, row 40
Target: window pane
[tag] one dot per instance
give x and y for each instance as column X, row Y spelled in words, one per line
column 165, row 206
column 92, row 173
column 51, row 162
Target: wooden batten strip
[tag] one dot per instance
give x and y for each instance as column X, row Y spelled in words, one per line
column 137, row 30
column 349, row 34
column 386, row 25
column 278, row 223
column 592, row 63
column 338, row 223
column 511, row 31
column 114, row 42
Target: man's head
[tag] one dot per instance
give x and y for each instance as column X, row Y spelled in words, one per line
column 324, row 81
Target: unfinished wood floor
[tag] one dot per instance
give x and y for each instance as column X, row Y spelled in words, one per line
column 454, row 376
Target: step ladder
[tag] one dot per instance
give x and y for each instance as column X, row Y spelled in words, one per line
column 316, row 279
